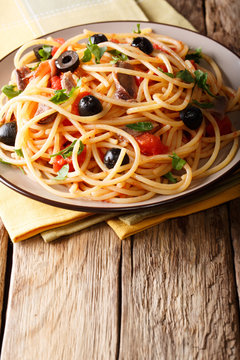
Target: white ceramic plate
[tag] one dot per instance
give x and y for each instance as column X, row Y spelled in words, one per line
column 230, row 66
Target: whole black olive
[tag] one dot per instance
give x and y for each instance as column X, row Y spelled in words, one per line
column 8, row 133
column 111, row 157
column 192, row 117
column 36, row 52
column 143, row 44
column 98, row 38
column 67, row 61
column 89, row 105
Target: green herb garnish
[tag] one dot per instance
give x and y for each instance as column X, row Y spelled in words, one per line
column 138, row 31
column 206, row 105
column 45, row 52
column 185, row 75
column 19, row 152
column 59, row 97
column 93, row 49
column 141, row 126
column 177, row 162
column 10, row 91
column 196, row 56
column 170, row 177
column 201, row 81
column 117, row 56
column 167, row 73
column 63, row 172
column 67, row 152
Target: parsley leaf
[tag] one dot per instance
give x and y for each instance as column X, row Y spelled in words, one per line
column 67, row 152
column 117, row 56
column 196, row 56
column 206, row 105
column 167, row 73
column 19, row 152
column 45, row 52
column 10, row 92
column 170, row 177
column 93, row 49
column 141, row 126
column 185, row 75
column 59, row 97
column 63, row 172
column 201, row 81
column 138, row 31
column 177, row 162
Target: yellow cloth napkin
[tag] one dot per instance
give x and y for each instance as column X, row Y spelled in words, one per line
column 29, row 19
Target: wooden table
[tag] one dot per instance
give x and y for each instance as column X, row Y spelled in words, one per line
column 171, row 292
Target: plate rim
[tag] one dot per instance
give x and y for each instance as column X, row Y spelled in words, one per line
column 138, row 206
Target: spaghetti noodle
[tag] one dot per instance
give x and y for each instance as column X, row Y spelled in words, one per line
column 101, row 118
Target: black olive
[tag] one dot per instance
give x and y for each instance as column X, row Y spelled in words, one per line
column 36, row 52
column 143, row 44
column 111, row 157
column 8, row 133
column 192, row 117
column 98, row 38
column 67, row 61
column 89, row 105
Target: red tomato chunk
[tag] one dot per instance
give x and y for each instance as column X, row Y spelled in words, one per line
column 151, row 144
column 59, row 161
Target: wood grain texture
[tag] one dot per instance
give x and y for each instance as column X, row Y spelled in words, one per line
column 235, row 232
column 3, row 261
column 64, row 298
column 178, row 294
column 191, row 10
column 222, row 22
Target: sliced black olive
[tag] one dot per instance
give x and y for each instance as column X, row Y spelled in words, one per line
column 98, row 38
column 8, row 133
column 192, row 117
column 111, row 157
column 67, row 61
column 36, row 52
column 143, row 44
column 89, row 105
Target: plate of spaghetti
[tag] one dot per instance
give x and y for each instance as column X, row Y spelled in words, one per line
column 118, row 116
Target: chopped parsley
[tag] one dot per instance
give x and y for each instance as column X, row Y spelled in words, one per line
column 186, row 76
column 167, row 73
column 206, row 105
column 117, row 56
column 177, row 162
column 10, row 91
column 196, row 56
column 93, row 49
column 19, row 152
column 170, row 177
column 45, row 52
column 201, row 81
column 67, row 152
column 138, row 31
column 141, row 126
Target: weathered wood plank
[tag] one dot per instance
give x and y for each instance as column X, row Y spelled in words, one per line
column 235, row 232
column 178, row 295
column 64, row 298
column 191, row 10
column 3, row 261
column 222, row 22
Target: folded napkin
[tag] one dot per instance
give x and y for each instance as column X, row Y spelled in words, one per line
column 24, row 217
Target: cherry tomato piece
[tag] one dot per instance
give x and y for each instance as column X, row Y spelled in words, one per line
column 151, row 144
column 55, row 48
column 55, row 82
column 225, row 127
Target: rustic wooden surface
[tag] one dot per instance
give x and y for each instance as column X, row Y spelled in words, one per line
column 170, row 292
